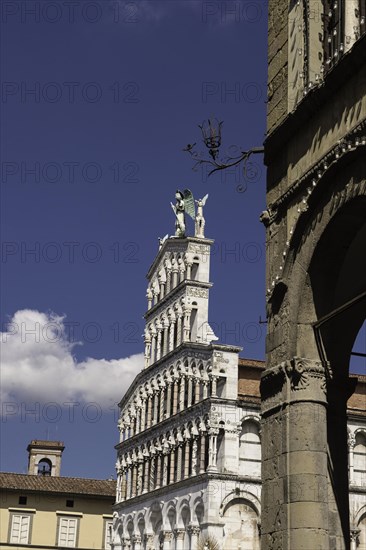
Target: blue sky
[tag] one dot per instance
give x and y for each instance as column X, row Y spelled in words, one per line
column 98, row 101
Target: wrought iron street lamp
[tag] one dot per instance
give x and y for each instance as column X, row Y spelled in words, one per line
column 211, row 134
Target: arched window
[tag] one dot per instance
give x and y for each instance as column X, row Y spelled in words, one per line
column 359, row 459
column 44, row 467
column 250, row 449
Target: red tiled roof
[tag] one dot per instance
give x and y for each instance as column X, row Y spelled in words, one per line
column 69, row 485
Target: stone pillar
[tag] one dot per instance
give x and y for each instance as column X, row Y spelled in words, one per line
column 147, row 349
column 136, row 539
column 149, row 410
column 158, row 461
column 168, row 280
column 186, row 458
column 165, row 467
column 205, row 389
column 162, row 404
column 149, row 296
column 171, row 334
column 166, row 336
column 189, row 391
column 158, row 345
column 212, row 450
column 129, row 482
column 194, row 456
column 179, row 539
column 214, row 386
column 179, row 329
column 355, row 533
column 175, row 396
column 351, row 446
column 140, row 473
column 202, row 453
column 143, row 415
column 169, row 400
column 134, row 480
column 153, row 348
column 182, row 393
column 295, row 507
column 167, row 540
column 149, row 541
column 197, row 390
column 194, row 532
column 189, row 271
column 156, row 396
column 123, row 485
column 179, row 462
column 146, row 475
column 172, row 466
column 186, row 324
column 175, row 277
column 152, row 473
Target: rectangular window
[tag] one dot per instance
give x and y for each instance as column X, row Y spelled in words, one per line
column 20, row 528
column 67, row 532
column 108, row 535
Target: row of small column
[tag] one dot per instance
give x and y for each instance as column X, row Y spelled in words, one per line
column 169, row 277
column 167, row 333
column 146, row 470
column 167, row 539
column 165, row 401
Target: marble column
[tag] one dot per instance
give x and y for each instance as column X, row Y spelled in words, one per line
column 214, row 386
column 162, row 403
column 171, row 334
column 175, row 396
column 169, row 400
column 351, row 446
column 156, row 397
column 189, row 391
column 147, row 349
column 179, row 328
column 197, row 389
column 134, row 480
column 153, row 348
column 165, row 467
column 167, row 540
column 152, row 473
column 146, row 475
column 168, row 280
column 212, row 450
column 355, row 533
column 175, row 277
column 129, row 482
column 194, row 457
column 205, row 389
column 158, row 462
column 172, row 466
column 143, row 415
column 179, row 462
column 158, row 345
column 139, row 477
column 194, row 532
column 202, row 452
column 166, row 336
column 186, row 458
column 182, row 392
column 136, row 539
column 179, row 539
column 149, row 410
column 189, row 271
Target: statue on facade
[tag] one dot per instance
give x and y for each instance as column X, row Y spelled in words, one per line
column 200, row 220
column 184, row 204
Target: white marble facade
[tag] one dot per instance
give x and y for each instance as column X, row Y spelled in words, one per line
column 189, row 455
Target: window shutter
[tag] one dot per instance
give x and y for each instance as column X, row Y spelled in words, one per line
column 20, row 529
column 67, row 532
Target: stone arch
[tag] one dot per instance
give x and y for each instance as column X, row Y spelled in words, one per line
column 198, row 511
column 319, row 307
column 241, row 522
column 250, row 447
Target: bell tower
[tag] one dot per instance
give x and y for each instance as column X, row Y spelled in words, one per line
column 45, row 457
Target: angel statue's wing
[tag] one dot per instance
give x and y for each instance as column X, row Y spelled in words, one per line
column 204, row 200
column 189, row 203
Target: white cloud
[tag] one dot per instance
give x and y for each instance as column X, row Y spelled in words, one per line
column 39, row 366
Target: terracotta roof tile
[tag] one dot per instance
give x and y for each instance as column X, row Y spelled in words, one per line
column 70, row 485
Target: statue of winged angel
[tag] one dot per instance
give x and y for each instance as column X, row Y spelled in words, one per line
column 184, row 204
column 200, row 220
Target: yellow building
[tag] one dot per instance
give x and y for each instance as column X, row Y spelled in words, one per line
column 43, row 510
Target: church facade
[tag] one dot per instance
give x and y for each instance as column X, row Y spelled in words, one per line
column 189, row 454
